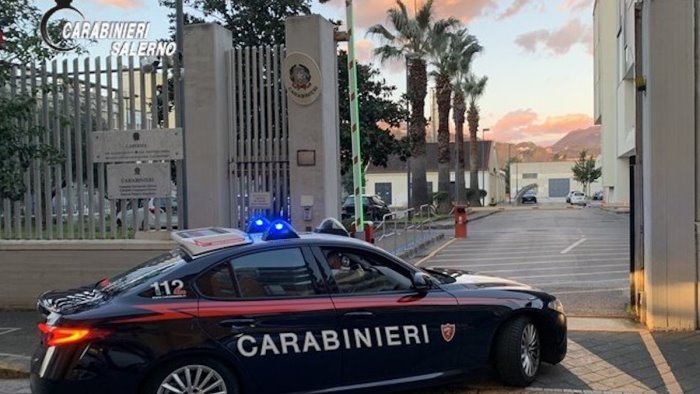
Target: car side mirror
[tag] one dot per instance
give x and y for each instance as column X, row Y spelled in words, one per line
column 421, row 282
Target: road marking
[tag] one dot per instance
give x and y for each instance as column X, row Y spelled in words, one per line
column 7, row 330
column 661, row 365
column 603, row 255
column 597, row 373
column 524, row 251
column 515, row 270
column 20, row 356
column 565, row 275
column 592, row 291
column 584, row 283
column 434, row 252
column 470, row 265
column 575, row 244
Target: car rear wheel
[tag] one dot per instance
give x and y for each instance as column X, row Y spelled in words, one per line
column 193, row 376
column 518, row 352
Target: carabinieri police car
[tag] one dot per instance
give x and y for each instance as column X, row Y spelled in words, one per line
column 273, row 311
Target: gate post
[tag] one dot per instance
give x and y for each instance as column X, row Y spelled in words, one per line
column 311, row 76
column 206, row 117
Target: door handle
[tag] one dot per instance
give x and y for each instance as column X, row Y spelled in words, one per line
column 359, row 315
column 238, row 324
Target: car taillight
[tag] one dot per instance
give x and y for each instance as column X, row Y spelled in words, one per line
column 57, row 336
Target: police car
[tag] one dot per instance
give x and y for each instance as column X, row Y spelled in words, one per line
column 273, row 311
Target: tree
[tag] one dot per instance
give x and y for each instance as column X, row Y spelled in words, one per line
column 409, row 39
column 474, row 89
column 19, row 133
column 378, row 114
column 506, row 170
column 585, row 170
column 251, row 22
column 460, row 86
column 449, row 51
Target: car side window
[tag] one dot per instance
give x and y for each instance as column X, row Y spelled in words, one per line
column 359, row 271
column 217, row 283
column 274, row 273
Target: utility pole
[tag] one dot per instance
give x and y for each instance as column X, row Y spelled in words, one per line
column 179, row 26
column 483, row 158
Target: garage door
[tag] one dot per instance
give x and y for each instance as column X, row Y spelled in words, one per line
column 558, row 187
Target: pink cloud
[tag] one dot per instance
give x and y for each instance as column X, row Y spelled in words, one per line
column 576, row 5
column 371, row 13
column 121, row 3
column 558, row 41
column 363, row 50
column 527, row 125
column 514, row 8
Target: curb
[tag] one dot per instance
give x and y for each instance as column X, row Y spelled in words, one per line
column 449, row 226
column 405, row 254
column 14, row 366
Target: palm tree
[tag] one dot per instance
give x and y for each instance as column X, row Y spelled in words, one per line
column 409, row 39
column 450, row 53
column 474, row 89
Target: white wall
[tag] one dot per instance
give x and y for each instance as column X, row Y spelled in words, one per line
column 546, row 171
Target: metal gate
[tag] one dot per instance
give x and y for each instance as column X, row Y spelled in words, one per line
column 558, row 187
column 258, row 149
column 74, row 99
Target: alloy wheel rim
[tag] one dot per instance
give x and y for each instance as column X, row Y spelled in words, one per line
column 530, row 350
column 193, row 379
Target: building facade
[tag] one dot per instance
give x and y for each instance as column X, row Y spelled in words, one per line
column 391, row 182
column 649, row 109
column 554, row 180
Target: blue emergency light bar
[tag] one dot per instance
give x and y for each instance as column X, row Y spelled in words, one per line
column 257, row 224
column 279, row 229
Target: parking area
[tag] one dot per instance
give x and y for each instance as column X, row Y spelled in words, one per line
column 580, row 255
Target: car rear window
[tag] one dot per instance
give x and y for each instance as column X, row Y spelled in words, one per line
column 144, row 272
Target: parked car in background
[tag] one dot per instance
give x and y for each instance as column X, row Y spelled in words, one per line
column 568, row 196
column 528, row 198
column 63, row 207
column 374, row 207
column 154, row 205
column 578, row 198
column 598, row 196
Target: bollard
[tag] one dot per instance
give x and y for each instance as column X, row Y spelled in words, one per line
column 461, row 221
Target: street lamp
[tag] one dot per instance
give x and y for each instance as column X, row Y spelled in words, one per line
column 483, row 157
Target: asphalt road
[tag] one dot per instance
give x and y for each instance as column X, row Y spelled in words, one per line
column 580, row 255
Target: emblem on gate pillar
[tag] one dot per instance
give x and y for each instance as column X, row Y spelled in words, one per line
column 302, row 78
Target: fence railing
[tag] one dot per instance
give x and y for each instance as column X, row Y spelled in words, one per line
column 402, row 231
column 74, row 99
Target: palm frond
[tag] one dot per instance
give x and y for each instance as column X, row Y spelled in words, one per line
column 388, row 52
column 382, row 32
column 425, row 15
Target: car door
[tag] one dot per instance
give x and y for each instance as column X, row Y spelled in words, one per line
column 388, row 330
column 270, row 310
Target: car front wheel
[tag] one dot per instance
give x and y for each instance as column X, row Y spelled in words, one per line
column 194, row 375
column 518, row 350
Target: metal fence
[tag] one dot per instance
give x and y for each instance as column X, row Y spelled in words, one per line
column 401, row 232
column 75, row 98
column 259, row 156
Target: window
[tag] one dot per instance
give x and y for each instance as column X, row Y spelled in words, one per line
column 384, row 191
column 357, row 271
column 274, row 273
column 530, row 175
column 217, row 283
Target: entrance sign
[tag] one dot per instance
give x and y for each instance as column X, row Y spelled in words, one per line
column 302, row 78
column 137, row 145
column 145, row 180
column 260, row 200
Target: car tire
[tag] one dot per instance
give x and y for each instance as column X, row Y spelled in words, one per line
column 212, row 372
column 518, row 352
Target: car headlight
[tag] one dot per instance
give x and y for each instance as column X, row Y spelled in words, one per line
column 556, row 305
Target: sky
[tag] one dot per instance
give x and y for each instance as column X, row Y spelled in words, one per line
column 538, row 55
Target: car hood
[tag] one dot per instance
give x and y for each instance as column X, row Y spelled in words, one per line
column 475, row 280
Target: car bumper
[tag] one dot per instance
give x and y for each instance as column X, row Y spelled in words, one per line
column 80, row 369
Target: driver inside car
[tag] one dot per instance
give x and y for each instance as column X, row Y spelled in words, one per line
column 343, row 269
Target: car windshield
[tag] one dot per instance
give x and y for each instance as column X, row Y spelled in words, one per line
column 141, row 273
